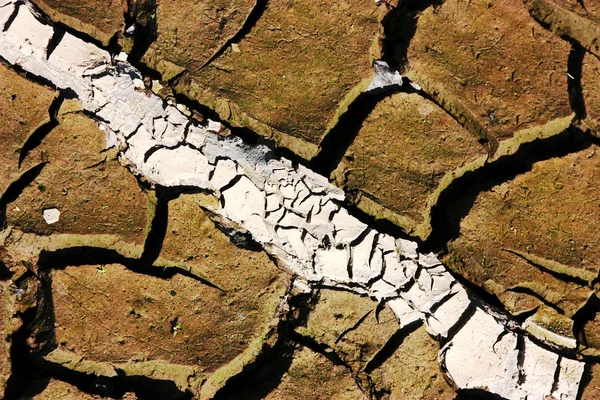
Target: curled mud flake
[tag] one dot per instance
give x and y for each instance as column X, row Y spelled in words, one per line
column 382, row 290
column 405, row 314
column 385, row 77
column 27, row 28
column 51, row 215
column 407, row 248
column 333, row 264
column 429, row 260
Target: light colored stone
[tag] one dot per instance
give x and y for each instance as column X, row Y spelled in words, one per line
column 51, row 215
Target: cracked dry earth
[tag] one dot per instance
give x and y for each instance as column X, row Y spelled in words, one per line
column 307, row 199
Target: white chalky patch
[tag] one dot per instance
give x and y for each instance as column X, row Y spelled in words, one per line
column 384, row 77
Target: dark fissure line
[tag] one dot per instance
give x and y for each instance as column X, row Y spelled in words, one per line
column 14, row 190
column 335, row 145
column 87, row 255
column 574, row 71
column 525, row 290
column 458, row 199
column 390, row 347
column 13, row 16
column 556, row 274
column 253, row 17
column 476, row 394
column 39, row 134
column 353, row 327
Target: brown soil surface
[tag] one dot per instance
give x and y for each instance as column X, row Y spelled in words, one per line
column 405, row 151
column 348, row 324
column 89, row 187
column 191, row 46
column 491, row 62
column 415, row 359
column 100, row 19
column 312, row 377
column 291, row 73
column 136, row 292
column 532, row 239
column 23, row 106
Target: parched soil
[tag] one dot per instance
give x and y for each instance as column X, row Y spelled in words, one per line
column 486, row 154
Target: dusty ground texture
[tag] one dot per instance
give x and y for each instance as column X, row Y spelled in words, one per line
column 112, row 288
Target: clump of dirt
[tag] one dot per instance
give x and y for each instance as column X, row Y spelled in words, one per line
column 407, row 150
column 491, row 63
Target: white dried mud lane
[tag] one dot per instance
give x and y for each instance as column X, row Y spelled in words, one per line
column 293, row 213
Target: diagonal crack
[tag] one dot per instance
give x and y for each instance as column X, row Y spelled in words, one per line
column 15, row 188
column 257, row 11
column 37, row 135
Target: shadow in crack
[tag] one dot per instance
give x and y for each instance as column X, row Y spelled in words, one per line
column 112, row 387
column 14, row 190
column 390, row 347
column 5, row 273
column 458, row 199
column 38, row 134
column 142, row 15
column 584, row 315
column 342, row 135
column 249, row 23
column 399, row 27
column 158, row 226
column 476, row 394
column 264, row 379
column 22, row 372
column 264, row 375
column 87, row 255
column 34, row 338
column 574, row 71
